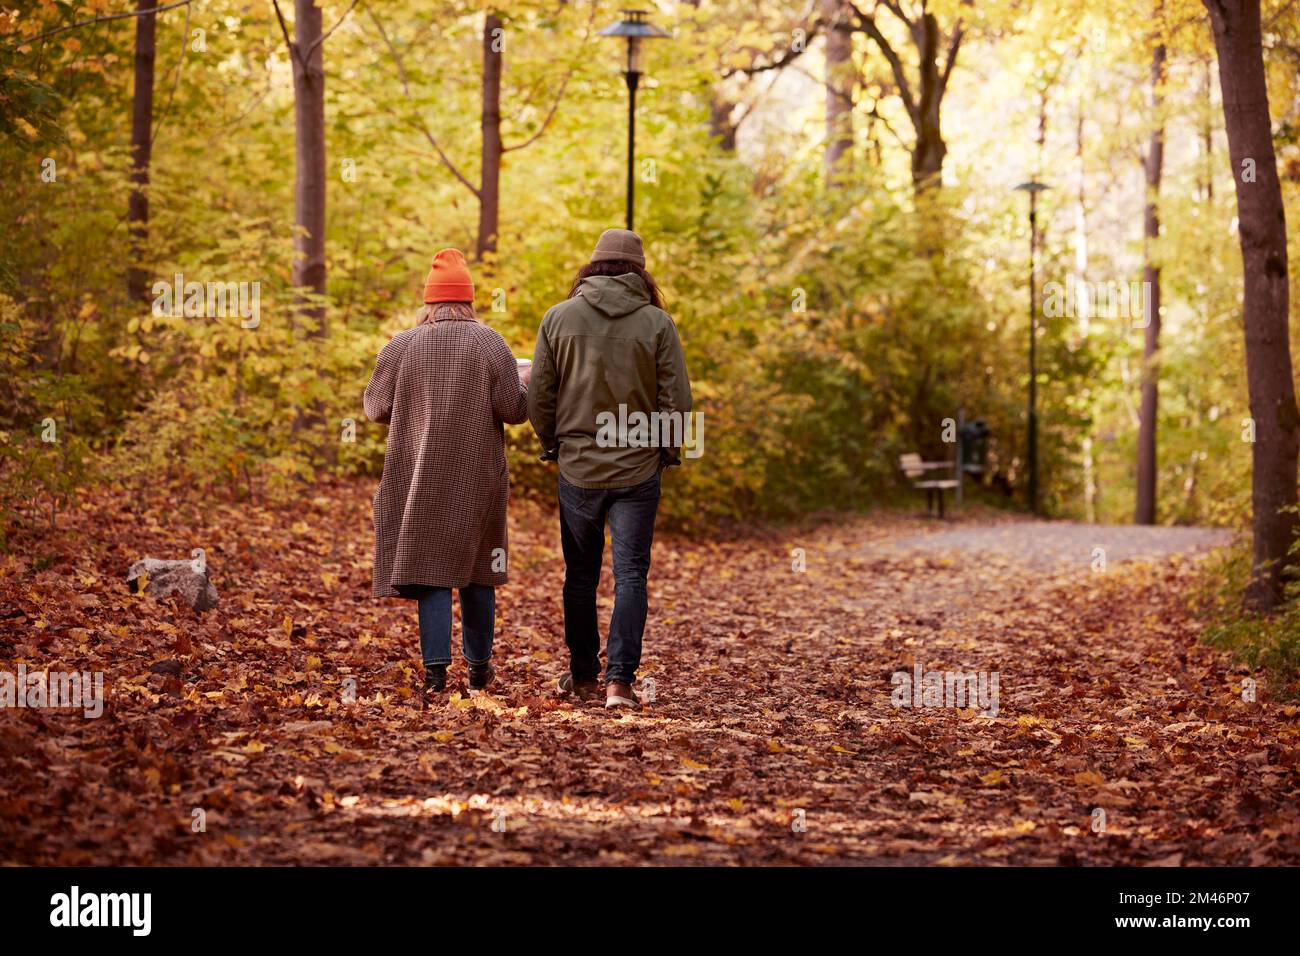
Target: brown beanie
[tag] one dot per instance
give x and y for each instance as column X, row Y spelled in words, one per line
column 449, row 279
column 622, row 244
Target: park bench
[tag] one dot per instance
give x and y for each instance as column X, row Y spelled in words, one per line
column 914, row 468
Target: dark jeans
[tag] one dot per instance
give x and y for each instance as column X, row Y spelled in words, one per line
column 631, row 515
column 478, row 605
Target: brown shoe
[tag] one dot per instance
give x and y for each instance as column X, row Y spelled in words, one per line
column 582, row 689
column 618, row 694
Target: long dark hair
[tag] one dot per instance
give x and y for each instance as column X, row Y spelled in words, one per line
column 618, row 267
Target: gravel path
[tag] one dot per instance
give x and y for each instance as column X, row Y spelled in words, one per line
column 1058, row 545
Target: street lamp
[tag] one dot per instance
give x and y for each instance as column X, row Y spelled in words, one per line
column 634, row 27
column 1033, row 188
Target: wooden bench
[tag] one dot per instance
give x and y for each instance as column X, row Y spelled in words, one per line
column 914, row 468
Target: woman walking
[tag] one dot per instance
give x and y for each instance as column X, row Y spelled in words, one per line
column 445, row 388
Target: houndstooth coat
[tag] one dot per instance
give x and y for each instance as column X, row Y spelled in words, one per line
column 444, row 388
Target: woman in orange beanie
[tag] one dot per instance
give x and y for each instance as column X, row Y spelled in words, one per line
column 445, row 388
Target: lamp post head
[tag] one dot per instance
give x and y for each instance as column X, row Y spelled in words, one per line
column 635, row 28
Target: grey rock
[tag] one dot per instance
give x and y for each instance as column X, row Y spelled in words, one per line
column 165, row 578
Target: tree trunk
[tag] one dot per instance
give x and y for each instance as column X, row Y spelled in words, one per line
column 1081, row 277
column 922, row 97
column 309, row 190
column 721, row 128
column 489, row 200
column 1207, row 136
column 1262, row 233
column 1145, row 512
column 928, row 156
column 838, row 84
column 137, row 209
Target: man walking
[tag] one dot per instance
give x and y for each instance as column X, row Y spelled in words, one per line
column 608, row 360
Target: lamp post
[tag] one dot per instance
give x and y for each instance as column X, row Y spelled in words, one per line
column 634, row 28
column 1033, row 188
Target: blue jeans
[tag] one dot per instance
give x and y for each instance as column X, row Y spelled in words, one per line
column 631, row 516
column 478, row 605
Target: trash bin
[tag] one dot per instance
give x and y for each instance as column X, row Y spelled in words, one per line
column 974, row 446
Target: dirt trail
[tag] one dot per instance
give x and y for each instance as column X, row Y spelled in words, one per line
column 773, row 738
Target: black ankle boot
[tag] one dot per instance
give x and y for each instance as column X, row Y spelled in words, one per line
column 435, row 677
column 480, row 675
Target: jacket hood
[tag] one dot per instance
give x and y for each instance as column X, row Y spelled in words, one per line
column 615, row 296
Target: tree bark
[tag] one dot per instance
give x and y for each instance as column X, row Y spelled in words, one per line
column 137, row 209
column 838, row 84
column 928, row 156
column 308, row 58
column 1081, row 275
column 1145, row 511
column 721, row 128
column 1207, row 136
column 1262, row 234
column 924, row 106
column 489, row 193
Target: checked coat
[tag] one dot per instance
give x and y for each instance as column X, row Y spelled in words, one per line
column 444, row 388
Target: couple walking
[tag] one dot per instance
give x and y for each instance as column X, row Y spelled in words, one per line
column 446, row 387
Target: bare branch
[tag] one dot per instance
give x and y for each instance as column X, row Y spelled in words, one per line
column 406, row 88
column 20, row 41
column 868, row 25
column 555, row 105
column 875, row 114
column 176, row 80
column 954, row 44
column 326, row 35
column 897, row 11
column 284, row 29
column 780, row 62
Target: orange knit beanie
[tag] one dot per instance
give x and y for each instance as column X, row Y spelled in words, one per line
column 449, row 279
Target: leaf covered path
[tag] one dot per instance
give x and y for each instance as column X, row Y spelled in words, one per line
column 773, row 705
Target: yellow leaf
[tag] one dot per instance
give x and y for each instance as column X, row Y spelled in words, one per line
column 775, row 747
column 682, row 849
column 693, row 764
